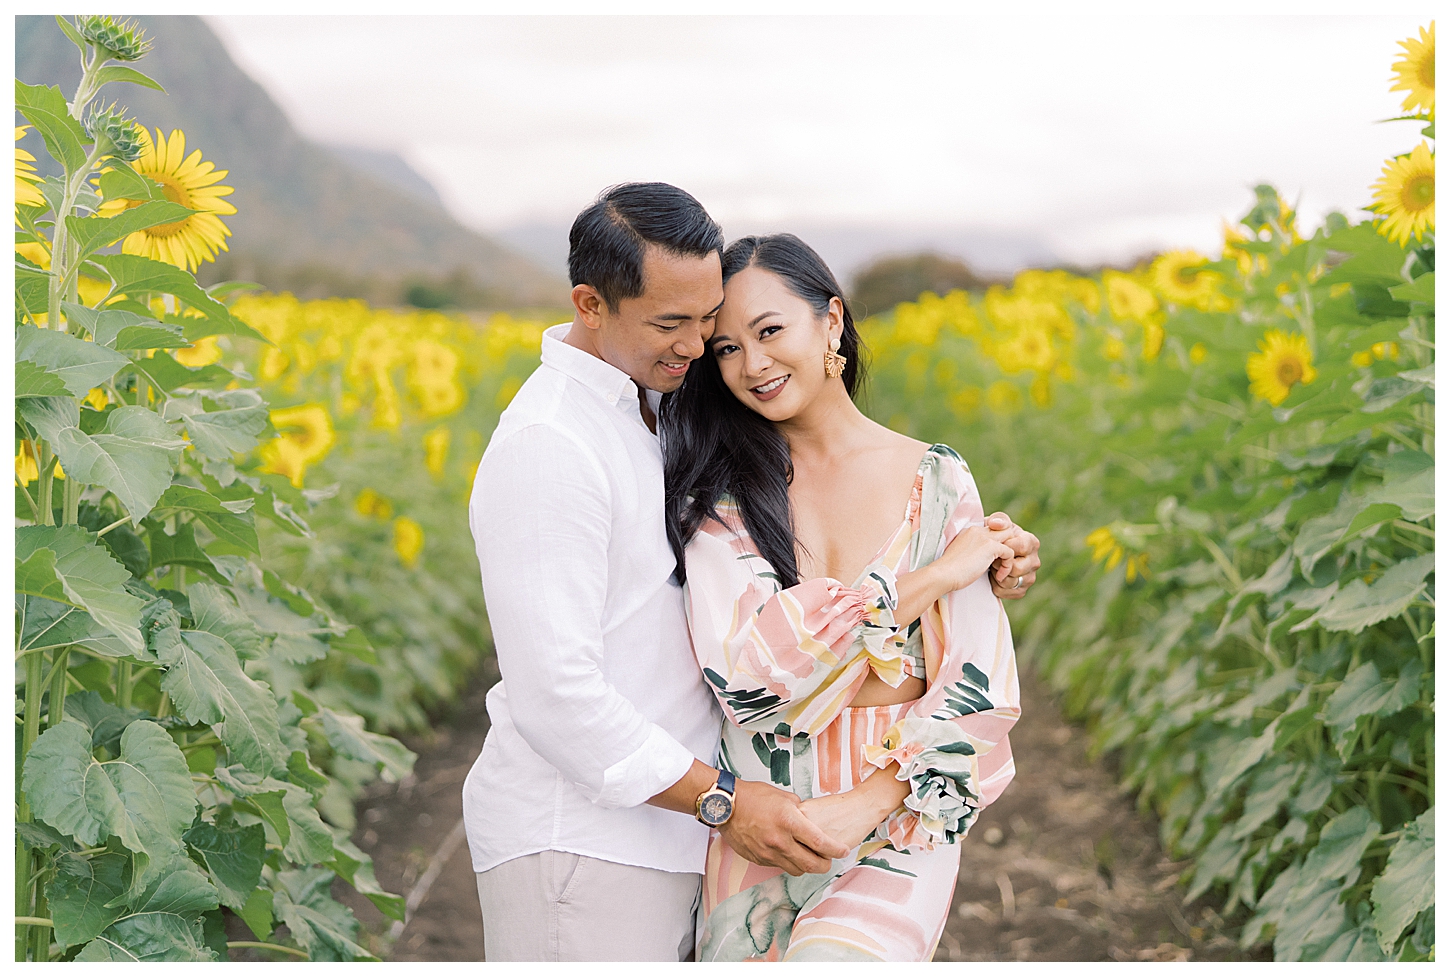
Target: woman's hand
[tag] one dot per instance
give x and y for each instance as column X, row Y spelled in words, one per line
column 972, row 551
column 850, row 816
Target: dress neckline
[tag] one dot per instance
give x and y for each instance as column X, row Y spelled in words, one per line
column 913, row 506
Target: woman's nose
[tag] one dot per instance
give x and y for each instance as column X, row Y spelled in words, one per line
column 756, row 361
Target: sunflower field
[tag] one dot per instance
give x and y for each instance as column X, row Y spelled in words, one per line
column 1231, row 466
column 243, row 557
column 171, row 781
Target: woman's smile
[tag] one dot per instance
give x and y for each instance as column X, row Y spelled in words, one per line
column 769, row 390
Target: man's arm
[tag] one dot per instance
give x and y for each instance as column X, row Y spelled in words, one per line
column 540, row 514
column 1025, row 565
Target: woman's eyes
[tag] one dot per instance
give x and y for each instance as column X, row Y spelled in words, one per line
column 770, row 329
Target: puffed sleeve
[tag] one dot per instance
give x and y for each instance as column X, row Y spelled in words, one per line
column 793, row 656
column 952, row 746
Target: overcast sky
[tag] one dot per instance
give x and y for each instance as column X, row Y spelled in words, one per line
column 1100, row 136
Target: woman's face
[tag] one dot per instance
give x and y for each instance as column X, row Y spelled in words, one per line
column 771, row 345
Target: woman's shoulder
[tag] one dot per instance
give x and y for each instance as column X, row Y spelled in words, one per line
column 948, row 470
column 725, row 521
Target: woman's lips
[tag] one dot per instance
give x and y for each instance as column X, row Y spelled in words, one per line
column 771, row 390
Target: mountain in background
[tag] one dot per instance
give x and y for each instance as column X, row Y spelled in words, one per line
column 312, row 219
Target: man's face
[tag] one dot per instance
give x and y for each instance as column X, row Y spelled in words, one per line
column 655, row 336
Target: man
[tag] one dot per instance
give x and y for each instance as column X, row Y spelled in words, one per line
column 581, row 810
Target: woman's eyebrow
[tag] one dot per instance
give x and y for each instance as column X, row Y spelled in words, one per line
column 764, row 315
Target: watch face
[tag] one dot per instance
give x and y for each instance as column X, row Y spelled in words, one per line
column 715, row 809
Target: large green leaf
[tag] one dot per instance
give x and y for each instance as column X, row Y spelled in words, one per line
column 91, row 234
column 232, row 425
column 321, row 925
column 66, row 564
column 181, row 889
column 134, row 275
column 144, row 797
column 207, row 683
column 1312, row 913
column 348, row 738
column 1422, row 289
column 355, row 866
column 161, row 370
column 233, row 854
column 133, row 456
column 105, row 720
column 292, row 816
column 1407, row 886
column 295, row 639
column 120, row 72
column 236, row 529
column 1318, row 536
column 45, row 108
column 1342, row 843
column 32, row 380
column 124, row 329
column 80, row 892
column 32, row 291
column 124, row 181
column 78, row 364
column 214, row 611
column 1357, row 605
column 181, row 549
column 1414, row 494
column 150, row 937
column 1269, row 791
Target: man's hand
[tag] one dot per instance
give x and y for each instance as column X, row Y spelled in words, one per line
column 769, row 828
column 1022, row 570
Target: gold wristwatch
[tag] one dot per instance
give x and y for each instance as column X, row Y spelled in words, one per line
column 715, row 806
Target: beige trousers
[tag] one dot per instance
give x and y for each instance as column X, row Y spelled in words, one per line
column 558, row 906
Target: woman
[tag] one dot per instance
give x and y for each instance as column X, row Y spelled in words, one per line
column 883, row 703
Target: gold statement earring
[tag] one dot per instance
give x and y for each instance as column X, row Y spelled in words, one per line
column 835, row 362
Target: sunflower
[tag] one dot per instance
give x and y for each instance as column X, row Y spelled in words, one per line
column 1152, row 339
column 306, row 439
column 1405, row 196
column 435, row 449
column 1284, row 361
column 1105, row 546
column 1004, row 398
column 407, row 540
column 186, row 180
column 1198, row 353
column 1415, row 72
column 203, row 352
column 25, row 176
column 373, row 505
column 1181, row 279
column 1127, row 299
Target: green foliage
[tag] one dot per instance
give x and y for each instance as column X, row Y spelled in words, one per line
column 1268, row 683
column 163, row 781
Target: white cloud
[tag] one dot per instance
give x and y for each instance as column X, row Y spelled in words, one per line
column 1100, row 135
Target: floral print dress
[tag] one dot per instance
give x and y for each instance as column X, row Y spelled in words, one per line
column 786, row 663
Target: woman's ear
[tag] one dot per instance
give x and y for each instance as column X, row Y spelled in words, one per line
column 835, row 317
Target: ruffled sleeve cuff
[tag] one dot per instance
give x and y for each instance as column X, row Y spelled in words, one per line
column 941, row 767
column 877, row 630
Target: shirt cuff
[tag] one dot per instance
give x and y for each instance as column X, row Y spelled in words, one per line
column 656, row 766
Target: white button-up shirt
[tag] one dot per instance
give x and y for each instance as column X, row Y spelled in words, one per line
column 601, row 705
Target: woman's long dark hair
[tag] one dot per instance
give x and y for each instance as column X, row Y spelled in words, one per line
column 716, row 446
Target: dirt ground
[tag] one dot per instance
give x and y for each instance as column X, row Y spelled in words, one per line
column 1062, row 867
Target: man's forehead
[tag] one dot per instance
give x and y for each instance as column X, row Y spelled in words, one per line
column 680, row 286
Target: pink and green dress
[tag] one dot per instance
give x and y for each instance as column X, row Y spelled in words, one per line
column 786, row 663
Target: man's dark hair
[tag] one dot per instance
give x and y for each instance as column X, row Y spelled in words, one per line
column 606, row 243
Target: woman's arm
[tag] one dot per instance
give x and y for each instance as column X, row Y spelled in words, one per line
column 851, row 816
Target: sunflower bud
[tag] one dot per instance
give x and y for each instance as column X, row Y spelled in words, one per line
column 123, row 41
column 120, row 135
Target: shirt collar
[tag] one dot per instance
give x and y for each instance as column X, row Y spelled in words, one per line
column 609, row 382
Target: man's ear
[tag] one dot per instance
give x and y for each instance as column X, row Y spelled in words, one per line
column 588, row 305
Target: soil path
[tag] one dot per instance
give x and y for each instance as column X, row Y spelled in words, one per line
column 1062, row 867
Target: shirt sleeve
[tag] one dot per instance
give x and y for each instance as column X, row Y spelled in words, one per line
column 952, row 746
column 540, row 515
column 793, row 656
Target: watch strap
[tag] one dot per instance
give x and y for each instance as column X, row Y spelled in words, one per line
column 726, row 782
